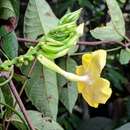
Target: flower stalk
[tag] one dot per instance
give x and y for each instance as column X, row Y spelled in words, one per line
column 51, row 65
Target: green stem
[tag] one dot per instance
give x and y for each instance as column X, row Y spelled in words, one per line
column 6, row 105
column 4, row 54
column 10, row 77
column 23, row 87
column 114, row 49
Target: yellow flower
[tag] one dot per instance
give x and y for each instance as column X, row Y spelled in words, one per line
column 95, row 90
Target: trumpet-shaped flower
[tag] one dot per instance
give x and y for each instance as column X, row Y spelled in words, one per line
column 95, row 90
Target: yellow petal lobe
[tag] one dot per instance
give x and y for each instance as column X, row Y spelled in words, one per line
column 99, row 59
column 80, row 71
column 102, row 90
column 86, row 60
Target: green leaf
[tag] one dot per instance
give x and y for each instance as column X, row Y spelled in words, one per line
column 96, row 123
column 43, row 92
column 8, row 8
column 6, row 97
column 10, row 45
column 42, row 89
column 124, row 56
column 16, row 6
column 5, row 93
column 39, row 19
column 116, row 17
column 122, row 1
column 115, row 29
column 124, row 127
column 61, row 80
column 69, row 94
column 118, row 81
column 73, row 50
column 106, row 33
column 86, row 3
column 40, row 122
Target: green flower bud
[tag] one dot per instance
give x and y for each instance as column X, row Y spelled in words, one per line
column 70, row 17
column 21, row 59
column 26, row 62
column 30, row 58
column 19, row 64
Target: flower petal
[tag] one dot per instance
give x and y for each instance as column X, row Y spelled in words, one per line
column 81, row 86
column 101, row 90
column 87, row 95
column 99, row 59
column 94, row 62
column 86, row 60
column 80, row 71
column 96, row 93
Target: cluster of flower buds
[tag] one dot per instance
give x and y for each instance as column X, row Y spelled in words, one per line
column 62, row 38
column 19, row 61
column 53, row 45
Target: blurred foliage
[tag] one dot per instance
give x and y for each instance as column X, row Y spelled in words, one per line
column 68, row 111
